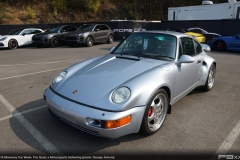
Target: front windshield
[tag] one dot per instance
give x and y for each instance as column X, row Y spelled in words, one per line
column 15, row 32
column 86, row 28
column 150, row 45
column 54, row 29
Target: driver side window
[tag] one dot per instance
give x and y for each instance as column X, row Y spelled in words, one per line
column 187, row 46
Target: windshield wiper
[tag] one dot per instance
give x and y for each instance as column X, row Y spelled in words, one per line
column 164, row 56
column 143, row 55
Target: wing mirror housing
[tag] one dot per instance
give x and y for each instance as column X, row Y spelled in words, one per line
column 96, row 29
column 23, row 34
column 185, row 59
column 206, row 47
column 111, row 49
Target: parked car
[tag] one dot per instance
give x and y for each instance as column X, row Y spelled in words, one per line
column 89, row 34
column 199, row 37
column 53, row 36
column 206, row 34
column 133, row 88
column 223, row 43
column 18, row 37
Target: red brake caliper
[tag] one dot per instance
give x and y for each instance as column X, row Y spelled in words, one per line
column 150, row 111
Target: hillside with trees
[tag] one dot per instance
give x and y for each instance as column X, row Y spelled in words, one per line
column 65, row 11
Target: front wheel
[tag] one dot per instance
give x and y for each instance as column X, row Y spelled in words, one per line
column 12, row 44
column 89, row 41
column 110, row 39
column 210, row 79
column 54, row 42
column 155, row 113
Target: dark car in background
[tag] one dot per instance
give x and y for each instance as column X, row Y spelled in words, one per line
column 53, row 36
column 206, row 34
column 89, row 34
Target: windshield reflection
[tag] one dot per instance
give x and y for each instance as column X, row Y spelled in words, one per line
column 54, row 29
column 15, row 32
column 149, row 45
column 86, row 28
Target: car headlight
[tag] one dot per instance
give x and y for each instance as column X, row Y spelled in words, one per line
column 48, row 36
column 3, row 38
column 60, row 77
column 83, row 34
column 121, row 94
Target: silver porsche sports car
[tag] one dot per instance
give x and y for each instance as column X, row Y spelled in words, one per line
column 133, row 88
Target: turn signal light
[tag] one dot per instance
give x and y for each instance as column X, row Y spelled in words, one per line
column 119, row 122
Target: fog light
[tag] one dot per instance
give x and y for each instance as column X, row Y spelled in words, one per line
column 119, row 122
column 94, row 122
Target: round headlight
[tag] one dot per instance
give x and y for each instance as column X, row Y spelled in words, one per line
column 2, row 39
column 60, row 77
column 121, row 94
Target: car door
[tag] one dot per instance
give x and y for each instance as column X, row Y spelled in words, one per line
column 25, row 37
column 187, row 74
column 234, row 42
column 62, row 33
column 106, row 32
column 98, row 33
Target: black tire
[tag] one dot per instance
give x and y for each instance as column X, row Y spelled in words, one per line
column 110, row 39
column 89, row 41
column 12, row 44
column 156, row 110
column 210, row 79
column 219, row 46
column 54, row 42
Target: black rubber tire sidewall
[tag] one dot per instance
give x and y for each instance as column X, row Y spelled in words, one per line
column 52, row 42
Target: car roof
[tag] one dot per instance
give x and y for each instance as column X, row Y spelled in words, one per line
column 177, row 34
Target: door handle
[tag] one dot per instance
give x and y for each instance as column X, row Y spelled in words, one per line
column 199, row 61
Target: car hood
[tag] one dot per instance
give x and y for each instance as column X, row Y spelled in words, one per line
column 43, row 34
column 77, row 32
column 96, row 79
column 9, row 36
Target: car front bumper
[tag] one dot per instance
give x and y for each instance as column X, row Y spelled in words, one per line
column 41, row 41
column 77, row 115
column 75, row 40
column 3, row 44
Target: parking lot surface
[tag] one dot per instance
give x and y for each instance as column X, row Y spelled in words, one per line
column 203, row 124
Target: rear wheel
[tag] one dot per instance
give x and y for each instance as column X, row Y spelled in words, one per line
column 54, row 42
column 219, row 46
column 89, row 41
column 12, row 44
column 211, row 78
column 155, row 113
column 110, row 39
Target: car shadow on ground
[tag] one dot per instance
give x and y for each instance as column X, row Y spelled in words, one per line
column 67, row 139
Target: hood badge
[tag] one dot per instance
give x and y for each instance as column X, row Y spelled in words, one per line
column 74, row 92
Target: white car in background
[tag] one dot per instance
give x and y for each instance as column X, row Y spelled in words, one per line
column 18, row 37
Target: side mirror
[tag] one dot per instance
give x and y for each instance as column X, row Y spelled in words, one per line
column 206, row 47
column 111, row 49
column 96, row 29
column 185, row 59
column 62, row 31
column 23, row 34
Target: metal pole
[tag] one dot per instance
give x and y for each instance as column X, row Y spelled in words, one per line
column 135, row 10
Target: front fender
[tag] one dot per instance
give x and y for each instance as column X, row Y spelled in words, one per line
column 142, row 88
